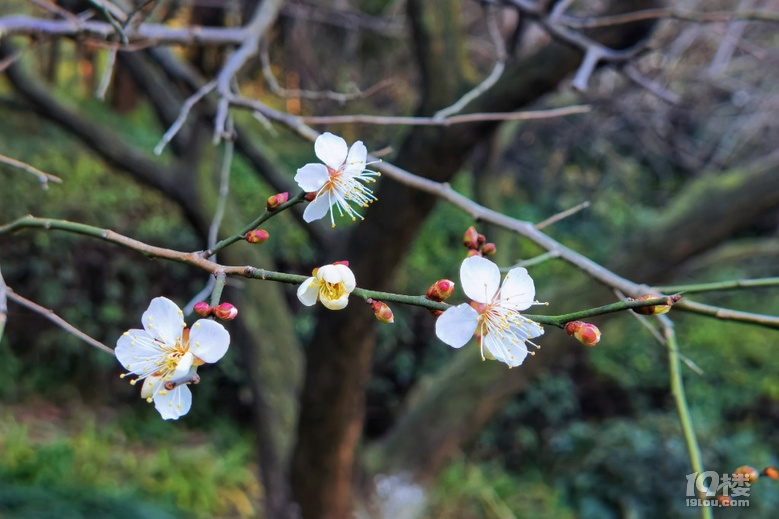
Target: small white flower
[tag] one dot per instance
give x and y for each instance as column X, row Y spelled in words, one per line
column 337, row 182
column 330, row 284
column 165, row 350
column 502, row 331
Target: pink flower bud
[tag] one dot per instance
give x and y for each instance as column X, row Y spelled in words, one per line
column 481, row 239
column 202, row 309
column 656, row 309
column 440, row 290
column 586, row 333
column 344, row 263
column 435, row 313
column 382, row 312
column 276, row 200
column 225, row 312
column 473, row 252
column 310, row 196
column 488, row 249
column 257, row 236
column 471, row 238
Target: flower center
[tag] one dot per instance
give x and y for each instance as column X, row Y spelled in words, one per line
column 331, row 291
column 174, row 353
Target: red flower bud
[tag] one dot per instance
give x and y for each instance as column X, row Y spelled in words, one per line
column 723, row 500
column 225, row 312
column 257, row 236
column 471, row 238
column 345, row 263
column 382, row 312
column 435, row 313
column 586, row 333
column 771, row 472
column 750, row 473
column 440, row 290
column 472, row 252
column 310, row 196
column 202, row 309
column 481, row 239
column 488, row 249
column 656, row 309
column 276, row 200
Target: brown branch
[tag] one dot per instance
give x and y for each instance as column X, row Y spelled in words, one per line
column 43, row 177
column 59, row 321
column 562, row 215
column 581, row 22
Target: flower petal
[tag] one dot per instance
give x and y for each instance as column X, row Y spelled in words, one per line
column 347, row 277
column 312, row 177
column 308, row 291
column 150, row 385
column 480, row 278
column 336, row 304
column 164, row 320
column 518, row 289
column 316, row 209
column 510, row 347
column 355, row 161
column 173, row 404
column 182, row 368
column 208, row 340
column 331, row 149
column 457, row 325
column 138, row 352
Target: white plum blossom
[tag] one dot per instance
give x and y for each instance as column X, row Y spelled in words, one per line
column 338, row 183
column 330, row 284
column 493, row 314
column 164, row 352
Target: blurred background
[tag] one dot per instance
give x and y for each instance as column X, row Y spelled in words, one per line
column 680, row 175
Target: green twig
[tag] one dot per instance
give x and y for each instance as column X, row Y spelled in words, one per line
column 677, row 390
column 219, row 285
column 720, row 285
column 256, row 223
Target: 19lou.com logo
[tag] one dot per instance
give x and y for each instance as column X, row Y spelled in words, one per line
column 712, row 489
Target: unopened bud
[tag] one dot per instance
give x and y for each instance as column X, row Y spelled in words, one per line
column 488, row 249
column 310, row 196
column 723, row 500
column 202, row 309
column 750, row 474
column 481, row 239
column 382, row 312
column 435, row 313
column 276, row 200
column 225, row 312
column 472, row 252
column 586, row 333
column 257, row 236
column 345, row 263
column 656, row 309
column 772, row 473
column 471, row 238
column 440, row 290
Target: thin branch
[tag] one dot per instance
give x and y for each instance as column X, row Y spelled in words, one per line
column 590, row 22
column 59, row 321
column 186, row 107
column 719, row 285
column 263, row 18
column 108, row 73
column 532, row 261
column 492, row 77
column 562, row 215
column 44, row 178
column 200, row 260
column 108, row 9
column 423, row 121
column 677, row 390
column 224, row 189
column 727, row 314
column 653, row 87
column 3, row 306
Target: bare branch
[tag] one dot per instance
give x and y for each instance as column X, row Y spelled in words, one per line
column 720, row 285
column 590, row 22
column 654, row 87
column 562, row 215
column 186, row 107
column 3, row 305
column 263, row 18
column 59, row 321
column 727, row 314
column 108, row 73
column 44, row 178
